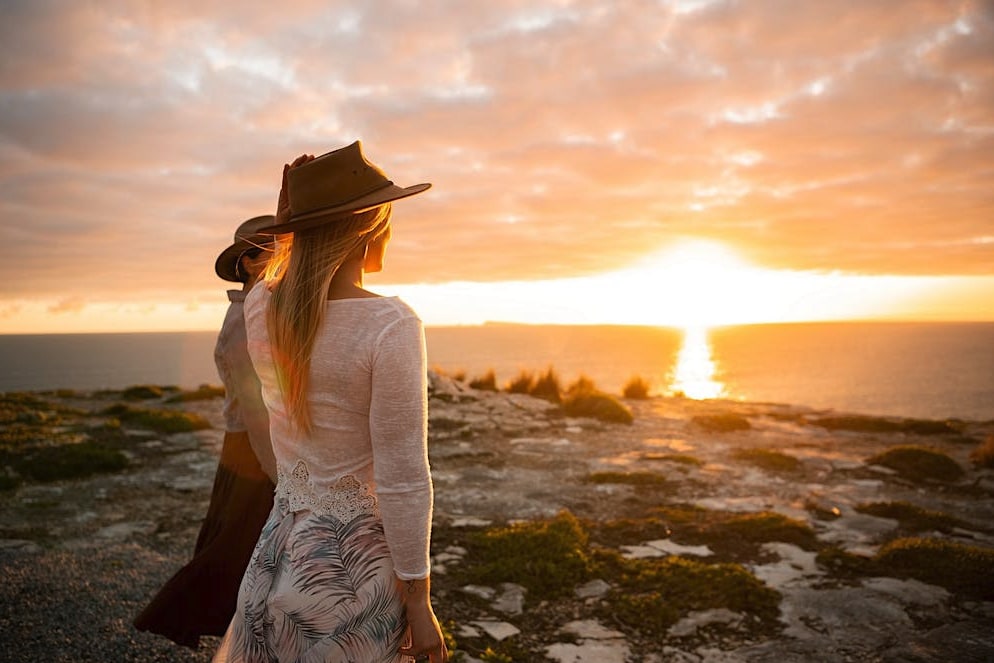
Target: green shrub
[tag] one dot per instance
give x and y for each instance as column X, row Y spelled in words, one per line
column 963, row 569
column 721, row 423
column 204, row 392
column 768, row 459
column 71, row 461
column 549, row 557
column 597, row 406
column 521, row 384
column 918, row 463
column 983, row 455
column 636, row 388
column 913, row 518
column 163, row 421
column 547, row 387
column 486, row 382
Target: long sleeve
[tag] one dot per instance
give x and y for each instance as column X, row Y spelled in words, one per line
column 398, row 425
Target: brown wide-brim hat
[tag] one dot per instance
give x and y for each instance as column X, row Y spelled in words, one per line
column 247, row 236
column 336, row 184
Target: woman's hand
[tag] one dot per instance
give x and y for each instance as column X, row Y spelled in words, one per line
column 426, row 641
column 283, row 203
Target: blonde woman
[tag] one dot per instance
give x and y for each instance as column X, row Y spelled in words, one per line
column 341, row 569
column 200, row 598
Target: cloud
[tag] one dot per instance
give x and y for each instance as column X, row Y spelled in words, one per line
column 562, row 138
column 67, row 305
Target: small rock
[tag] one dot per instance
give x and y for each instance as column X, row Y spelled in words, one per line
column 600, row 651
column 590, row 629
column 486, row 593
column 593, row 589
column 123, row 531
column 512, row 599
column 695, row 620
column 20, row 545
column 497, row 630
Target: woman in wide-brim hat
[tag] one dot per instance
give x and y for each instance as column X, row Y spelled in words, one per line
column 200, row 598
column 341, row 570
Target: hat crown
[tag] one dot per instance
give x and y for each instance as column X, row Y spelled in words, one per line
column 248, row 229
column 332, row 180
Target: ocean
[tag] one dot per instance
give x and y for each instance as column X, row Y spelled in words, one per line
column 925, row 370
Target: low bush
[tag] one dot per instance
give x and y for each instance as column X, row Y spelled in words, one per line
column 581, row 385
column 596, row 405
column 918, row 463
column 636, row 388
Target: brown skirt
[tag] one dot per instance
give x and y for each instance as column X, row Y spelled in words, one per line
column 200, row 598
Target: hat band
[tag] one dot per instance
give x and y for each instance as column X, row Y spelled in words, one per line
column 341, row 203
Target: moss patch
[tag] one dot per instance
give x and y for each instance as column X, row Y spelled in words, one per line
column 651, row 595
column 919, row 463
column 962, row 569
column 735, row 536
column 721, row 423
column 549, row 557
column 983, row 454
column 913, row 519
column 866, row 424
column 768, row 459
column 627, row 478
column 204, row 392
column 163, row 421
column 70, row 461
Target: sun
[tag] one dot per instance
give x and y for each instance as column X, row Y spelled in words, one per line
column 697, row 283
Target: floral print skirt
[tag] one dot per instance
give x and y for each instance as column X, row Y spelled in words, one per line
column 317, row 590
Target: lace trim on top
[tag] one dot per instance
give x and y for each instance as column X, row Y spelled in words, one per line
column 346, row 500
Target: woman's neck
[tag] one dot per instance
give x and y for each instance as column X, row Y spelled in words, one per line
column 347, row 282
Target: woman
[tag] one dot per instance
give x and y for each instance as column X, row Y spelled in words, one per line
column 200, row 598
column 341, row 570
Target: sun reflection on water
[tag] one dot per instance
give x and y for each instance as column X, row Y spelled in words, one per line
column 694, row 373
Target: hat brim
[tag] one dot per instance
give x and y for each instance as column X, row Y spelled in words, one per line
column 226, row 265
column 318, row 217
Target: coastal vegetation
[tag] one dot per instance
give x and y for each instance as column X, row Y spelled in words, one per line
column 636, row 388
column 724, row 422
column 917, row 463
column 913, row 519
column 160, row 420
column 983, row 454
column 768, row 459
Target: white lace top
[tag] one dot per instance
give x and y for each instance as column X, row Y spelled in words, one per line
column 367, row 452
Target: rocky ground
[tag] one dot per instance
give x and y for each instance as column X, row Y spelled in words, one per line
column 80, row 557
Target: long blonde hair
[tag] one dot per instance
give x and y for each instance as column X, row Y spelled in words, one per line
column 299, row 275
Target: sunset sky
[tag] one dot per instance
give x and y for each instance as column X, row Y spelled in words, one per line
column 670, row 162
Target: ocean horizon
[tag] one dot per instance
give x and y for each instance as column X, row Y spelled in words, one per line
column 933, row 370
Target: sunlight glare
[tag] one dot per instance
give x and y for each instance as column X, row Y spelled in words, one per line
column 694, row 373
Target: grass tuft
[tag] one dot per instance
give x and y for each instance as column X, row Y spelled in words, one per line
column 868, row 424
column 547, row 387
column 636, row 388
column 522, row 384
column 486, row 382
column 71, row 461
column 960, row 568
